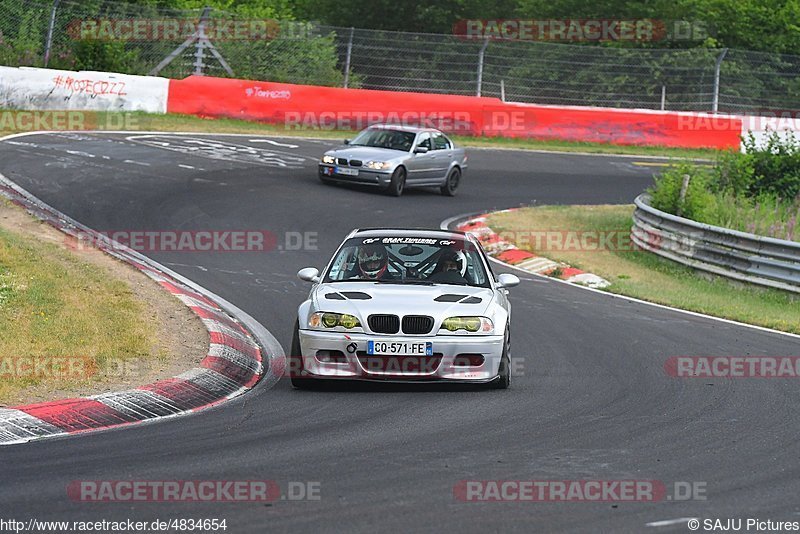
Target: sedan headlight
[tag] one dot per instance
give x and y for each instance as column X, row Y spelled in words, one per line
column 378, row 165
column 481, row 325
column 324, row 320
column 328, row 159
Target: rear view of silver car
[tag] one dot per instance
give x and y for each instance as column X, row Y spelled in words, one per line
column 394, row 158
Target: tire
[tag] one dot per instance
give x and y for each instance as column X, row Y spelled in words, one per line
column 451, row 184
column 504, row 373
column 295, row 361
column 398, row 183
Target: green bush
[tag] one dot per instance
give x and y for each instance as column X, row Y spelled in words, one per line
column 699, row 202
column 757, row 191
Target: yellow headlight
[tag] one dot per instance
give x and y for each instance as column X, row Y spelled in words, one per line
column 348, row 321
column 332, row 320
column 329, row 320
column 470, row 324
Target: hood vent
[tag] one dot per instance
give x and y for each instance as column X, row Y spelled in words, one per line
column 347, row 295
column 449, row 298
column 462, row 299
column 356, row 295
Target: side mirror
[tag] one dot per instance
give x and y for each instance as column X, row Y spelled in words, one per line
column 421, row 150
column 507, row 280
column 347, row 141
column 309, row 274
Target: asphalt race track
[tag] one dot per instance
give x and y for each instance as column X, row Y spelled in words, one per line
column 592, row 400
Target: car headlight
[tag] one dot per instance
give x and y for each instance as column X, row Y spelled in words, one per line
column 378, row 165
column 328, row 159
column 481, row 325
column 324, row 320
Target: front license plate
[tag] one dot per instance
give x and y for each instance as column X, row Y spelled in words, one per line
column 395, row 348
column 346, row 171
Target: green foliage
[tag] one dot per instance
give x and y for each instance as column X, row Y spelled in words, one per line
column 757, row 191
column 699, row 202
column 108, row 56
column 308, row 61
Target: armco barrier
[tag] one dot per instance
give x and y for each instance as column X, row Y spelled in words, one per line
column 750, row 258
column 47, row 89
column 333, row 107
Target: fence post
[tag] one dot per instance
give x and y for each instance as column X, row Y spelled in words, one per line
column 682, row 194
column 347, row 59
column 717, row 66
column 663, row 97
column 49, row 42
column 480, row 66
column 503, row 90
column 199, row 53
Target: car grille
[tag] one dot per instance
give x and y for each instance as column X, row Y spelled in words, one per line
column 384, row 324
column 400, row 365
column 417, row 324
column 352, row 162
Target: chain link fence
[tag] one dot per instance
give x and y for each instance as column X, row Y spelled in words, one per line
column 43, row 33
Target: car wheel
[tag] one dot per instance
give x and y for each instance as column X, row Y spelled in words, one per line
column 295, row 361
column 504, row 374
column 398, row 182
column 450, row 186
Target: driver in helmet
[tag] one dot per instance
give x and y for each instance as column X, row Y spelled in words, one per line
column 373, row 262
column 448, row 269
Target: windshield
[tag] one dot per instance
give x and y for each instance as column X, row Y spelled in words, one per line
column 409, row 260
column 382, row 138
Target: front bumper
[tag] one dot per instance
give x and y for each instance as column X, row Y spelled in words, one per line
column 448, row 350
column 365, row 176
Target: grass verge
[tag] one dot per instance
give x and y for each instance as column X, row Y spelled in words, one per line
column 140, row 121
column 640, row 274
column 65, row 324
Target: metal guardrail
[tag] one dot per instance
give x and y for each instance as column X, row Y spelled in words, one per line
column 750, row 258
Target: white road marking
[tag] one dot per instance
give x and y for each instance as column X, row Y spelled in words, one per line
column 270, row 141
column 667, row 522
column 79, row 153
column 185, row 166
column 23, row 143
column 143, row 164
column 222, row 150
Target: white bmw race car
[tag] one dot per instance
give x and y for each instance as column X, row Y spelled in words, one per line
column 404, row 306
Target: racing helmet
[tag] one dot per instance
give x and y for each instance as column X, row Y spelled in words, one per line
column 450, row 260
column 373, row 260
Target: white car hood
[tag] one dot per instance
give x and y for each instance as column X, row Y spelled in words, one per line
column 401, row 299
